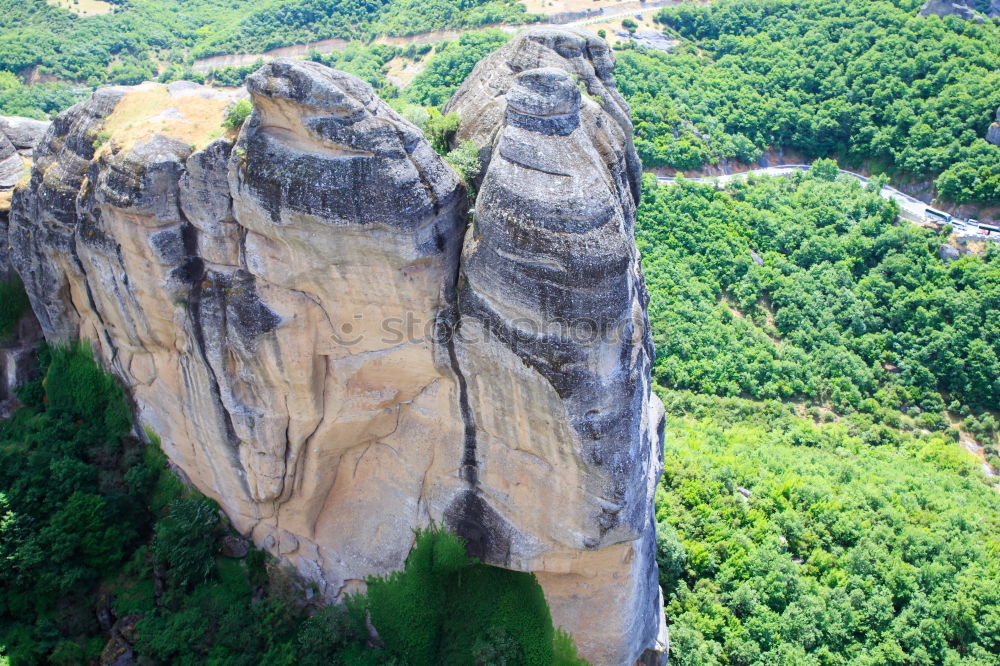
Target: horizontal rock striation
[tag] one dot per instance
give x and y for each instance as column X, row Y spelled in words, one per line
column 328, row 347
column 555, row 338
column 18, row 138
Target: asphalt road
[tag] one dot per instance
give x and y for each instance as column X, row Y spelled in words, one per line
column 910, row 207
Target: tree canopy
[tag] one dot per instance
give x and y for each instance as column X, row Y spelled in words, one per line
column 866, row 81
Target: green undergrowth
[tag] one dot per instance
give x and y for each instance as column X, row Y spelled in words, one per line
column 789, row 541
column 93, row 524
column 13, row 304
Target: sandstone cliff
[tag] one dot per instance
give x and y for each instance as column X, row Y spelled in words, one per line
column 329, row 348
column 18, row 138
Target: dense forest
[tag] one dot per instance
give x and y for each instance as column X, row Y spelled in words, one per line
column 784, row 541
column 813, row 357
column 98, row 536
column 138, row 38
column 866, row 81
column 804, row 288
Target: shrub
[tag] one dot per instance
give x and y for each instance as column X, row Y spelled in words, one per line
column 13, row 304
column 465, row 160
column 439, row 129
column 238, row 114
column 445, row 607
column 77, row 386
column 185, row 540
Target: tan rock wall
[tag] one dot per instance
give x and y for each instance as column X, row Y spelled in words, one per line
column 296, row 318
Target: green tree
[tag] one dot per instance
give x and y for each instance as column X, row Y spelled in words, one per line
column 185, row 540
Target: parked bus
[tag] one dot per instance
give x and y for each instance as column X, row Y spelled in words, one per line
column 937, row 216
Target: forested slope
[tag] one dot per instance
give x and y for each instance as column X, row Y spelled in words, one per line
column 130, row 44
column 866, row 81
column 787, row 542
column 841, row 306
column 812, row 354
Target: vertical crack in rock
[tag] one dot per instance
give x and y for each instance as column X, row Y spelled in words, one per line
column 275, row 298
column 469, row 468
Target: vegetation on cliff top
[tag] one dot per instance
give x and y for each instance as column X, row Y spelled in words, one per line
column 95, row 531
column 864, row 80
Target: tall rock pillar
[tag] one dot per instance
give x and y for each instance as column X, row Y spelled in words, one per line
column 565, row 446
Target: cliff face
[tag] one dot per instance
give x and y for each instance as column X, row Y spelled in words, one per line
column 18, row 138
column 327, row 347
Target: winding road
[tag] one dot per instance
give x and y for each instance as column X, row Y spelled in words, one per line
column 910, row 207
column 599, row 15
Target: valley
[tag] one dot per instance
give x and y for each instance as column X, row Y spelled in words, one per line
column 780, row 215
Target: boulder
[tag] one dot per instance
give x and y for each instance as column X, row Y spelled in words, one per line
column 234, row 546
column 24, row 133
column 993, row 131
column 963, row 9
column 948, row 254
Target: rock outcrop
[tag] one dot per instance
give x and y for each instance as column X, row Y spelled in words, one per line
column 963, row 9
column 328, row 348
column 993, row 132
column 18, row 138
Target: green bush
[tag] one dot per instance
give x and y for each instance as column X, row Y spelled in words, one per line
column 439, row 129
column 185, row 540
column 445, row 608
column 13, row 304
column 77, row 386
column 465, row 160
column 238, row 114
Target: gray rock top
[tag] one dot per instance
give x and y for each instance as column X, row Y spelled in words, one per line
column 24, row 133
column 964, row 9
column 482, row 100
column 948, row 254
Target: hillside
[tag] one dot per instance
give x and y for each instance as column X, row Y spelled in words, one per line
column 867, row 82
column 130, row 44
column 410, row 335
column 813, row 356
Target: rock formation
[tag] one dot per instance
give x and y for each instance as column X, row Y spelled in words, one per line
column 993, row 132
column 328, row 348
column 963, row 9
column 18, row 138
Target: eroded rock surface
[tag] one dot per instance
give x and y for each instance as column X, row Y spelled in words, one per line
column 963, row 9
column 326, row 346
column 18, row 138
column 993, row 132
